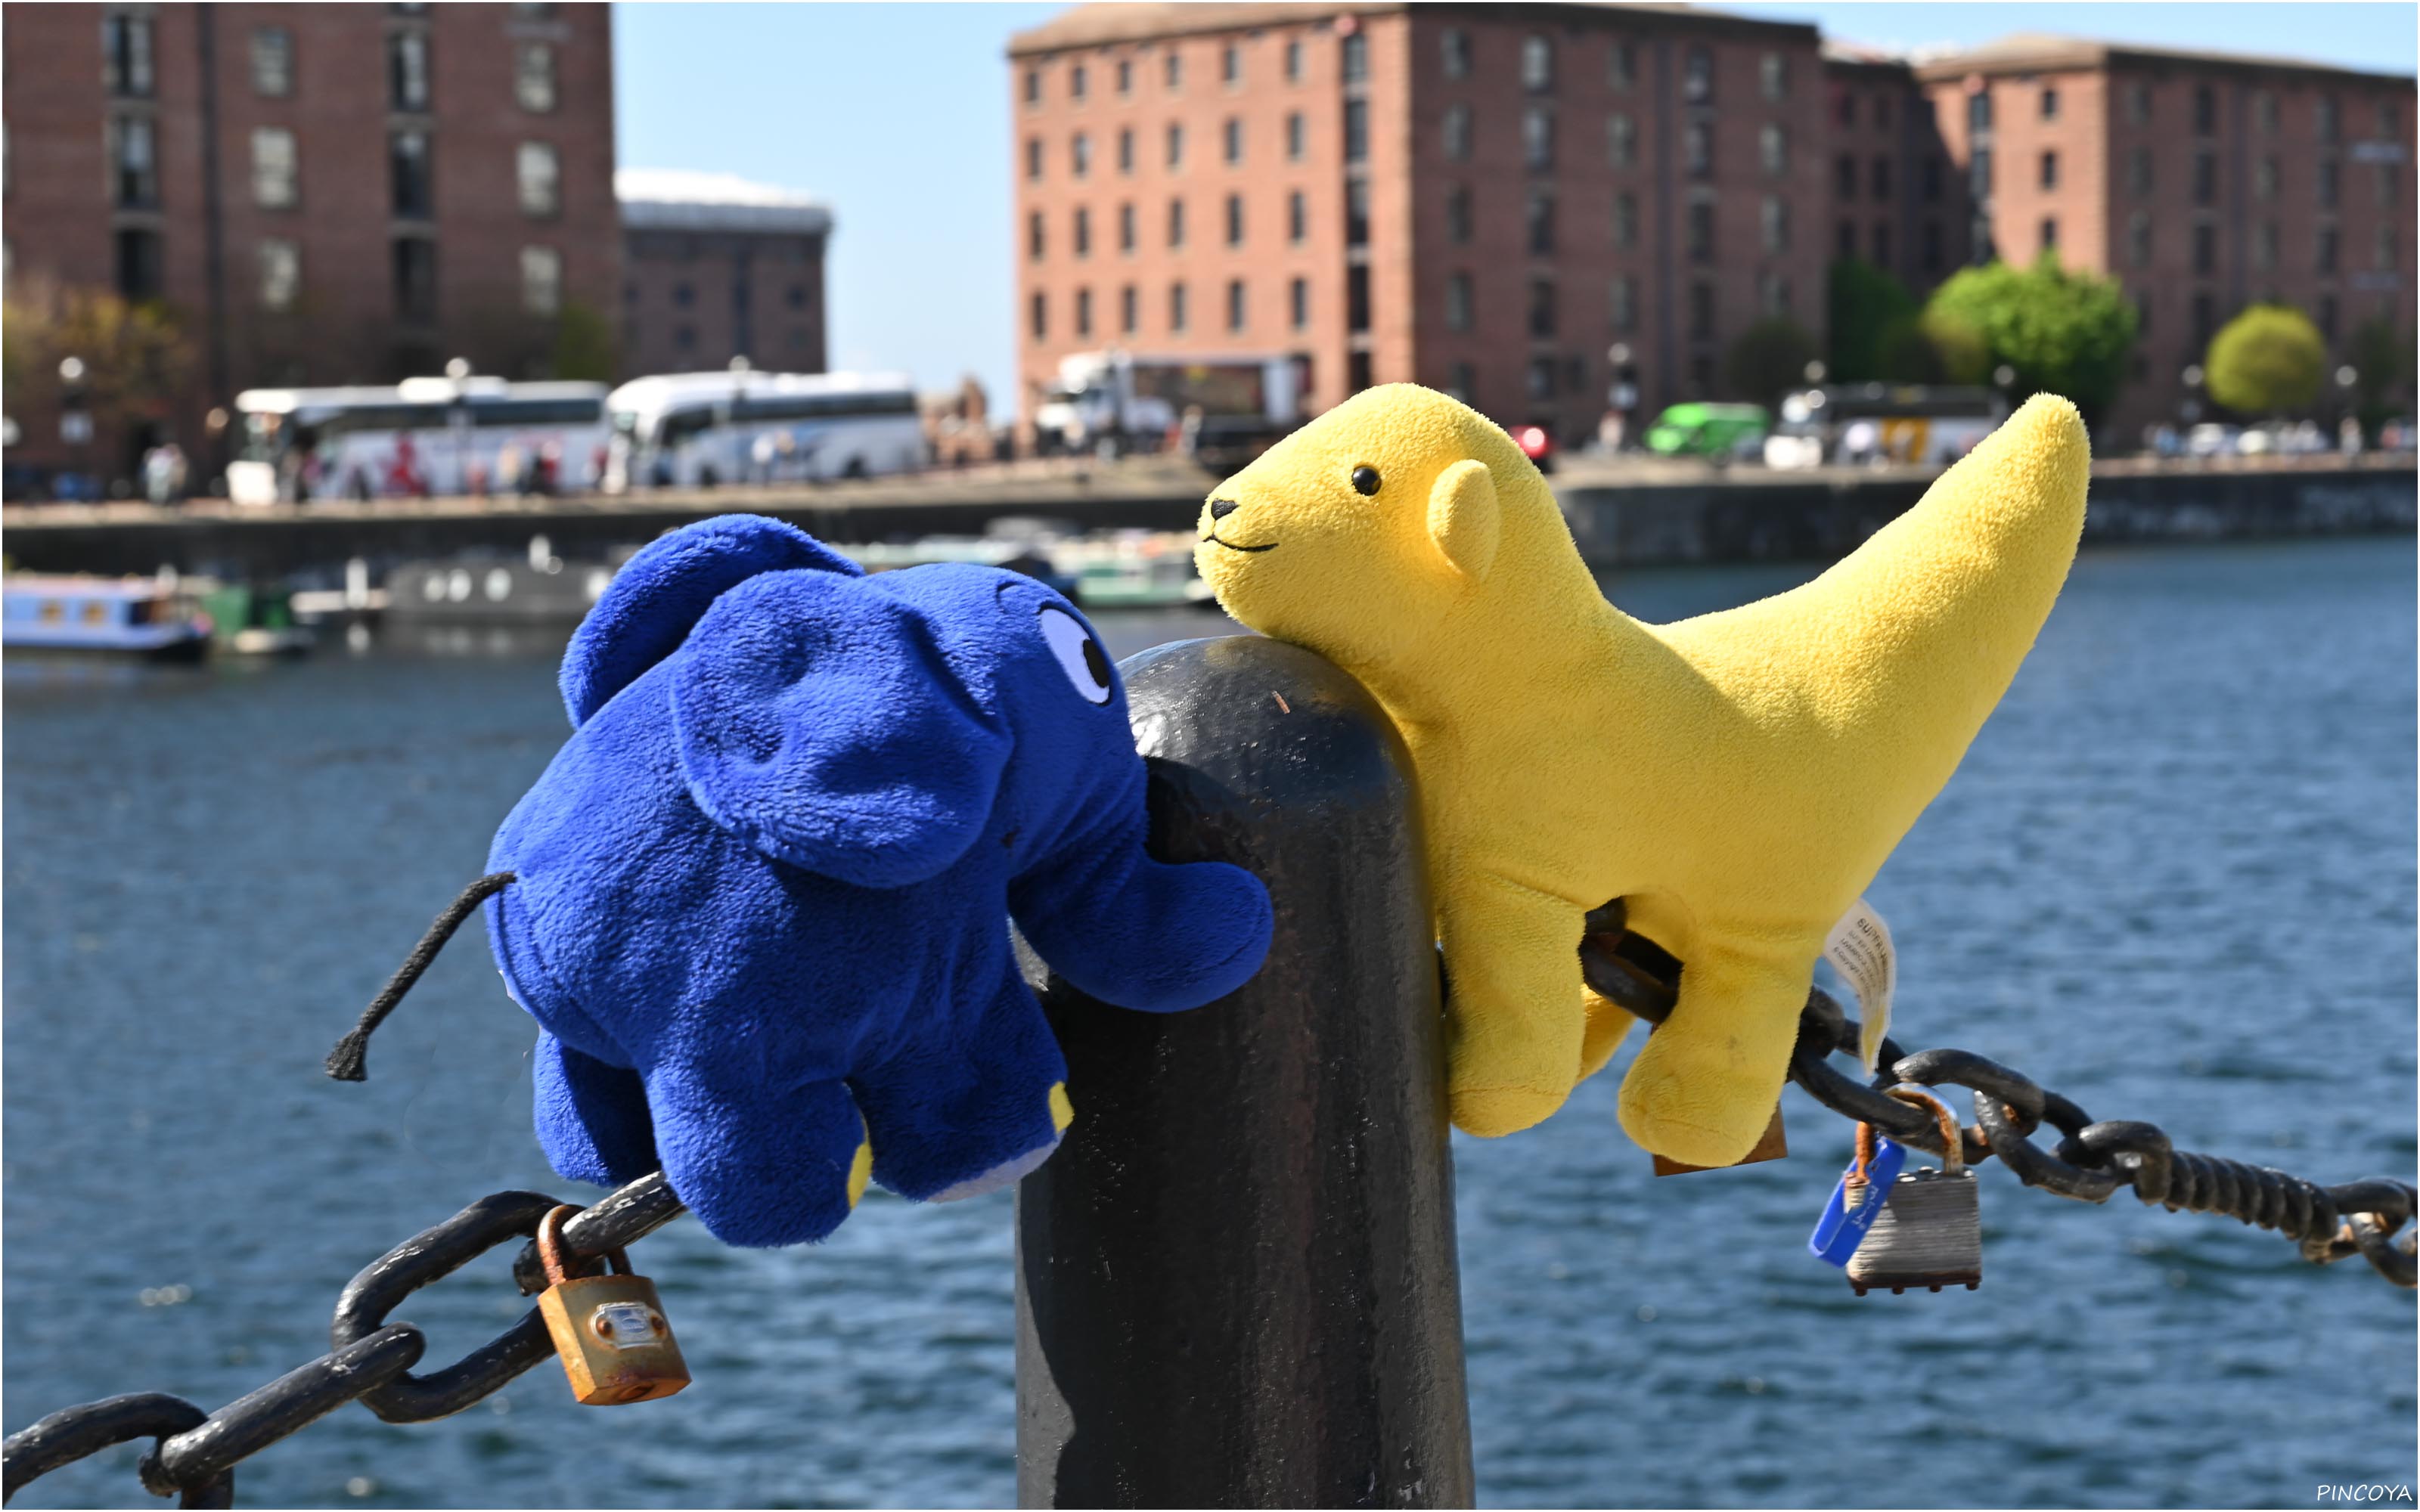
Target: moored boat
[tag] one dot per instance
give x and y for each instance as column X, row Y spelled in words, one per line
column 129, row 616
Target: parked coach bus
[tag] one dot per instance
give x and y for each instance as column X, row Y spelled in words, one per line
column 694, row 430
column 422, row 437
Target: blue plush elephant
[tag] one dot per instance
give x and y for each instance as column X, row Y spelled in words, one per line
column 762, row 895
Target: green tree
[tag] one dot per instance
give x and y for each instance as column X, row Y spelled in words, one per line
column 2063, row 333
column 1767, row 360
column 584, row 347
column 135, row 357
column 2380, row 357
column 1866, row 308
column 2268, row 360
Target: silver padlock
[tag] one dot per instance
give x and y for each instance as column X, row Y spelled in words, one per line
column 1929, row 1232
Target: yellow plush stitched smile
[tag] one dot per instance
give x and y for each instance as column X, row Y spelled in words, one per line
column 1737, row 779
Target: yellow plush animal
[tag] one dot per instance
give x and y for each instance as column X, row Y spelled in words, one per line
column 1736, row 779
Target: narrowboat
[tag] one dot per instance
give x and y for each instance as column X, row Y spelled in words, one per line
column 129, row 616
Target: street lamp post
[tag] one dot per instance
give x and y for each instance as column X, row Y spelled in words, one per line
column 2349, row 435
column 1621, row 396
column 75, row 419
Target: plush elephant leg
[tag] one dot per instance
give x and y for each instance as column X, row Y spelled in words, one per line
column 970, row 1112
column 592, row 1117
column 761, row 1164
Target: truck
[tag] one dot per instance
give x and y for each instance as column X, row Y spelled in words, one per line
column 1221, row 409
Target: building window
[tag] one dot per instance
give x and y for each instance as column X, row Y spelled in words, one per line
column 2264, row 246
column 2205, row 319
column 409, row 178
column 1358, row 375
column 2264, row 111
column 1928, row 246
column 1037, row 314
column 1539, row 221
column 2205, row 110
column 1457, row 133
column 1035, row 237
column 1353, row 57
column 1701, row 310
column 2390, row 119
column 138, row 264
column 1844, row 174
column 684, row 296
column 1176, row 223
column 1626, row 220
column 1457, row 215
column 2327, row 320
column 1033, row 157
column 1773, row 296
column 1698, row 77
column 1882, row 244
column 2205, row 247
column 2325, row 257
column 2049, row 232
column 1773, row 149
column 1774, row 219
column 2138, row 171
column 1298, row 216
column 1461, row 380
column 1177, row 307
column 2050, row 170
column 1125, row 78
column 2386, row 175
column 540, row 176
column 2138, row 239
column 1034, row 87
column 1621, row 140
column 1230, row 64
column 1978, row 174
column 1175, row 146
column 1235, row 304
column 1294, row 135
column 1298, row 303
column 1621, row 66
column 1846, row 112
column 797, row 298
column 534, row 77
column 541, row 280
column 2381, row 256
column 1294, row 61
column 272, row 62
column 2328, row 183
column 1083, row 234
column 1537, row 63
column 1702, row 231
column 1084, row 311
column 1457, row 301
column 2049, row 104
column 1235, row 220
column 1844, row 240
column 1882, row 179
column 1538, row 137
column 1075, row 81
column 1079, row 154
column 2139, row 104
column 1697, row 148
column 1542, row 379
column 1357, row 130
column 1357, row 212
column 1928, row 179
column 134, row 169
column 273, row 168
column 1127, row 227
column 2205, row 178
column 1541, row 307
column 1882, row 112
column 1456, row 47
column 1173, row 72
column 281, row 274
column 1231, row 140
column 126, row 54
column 1128, row 309
column 1621, row 302
column 415, row 280
column 1978, row 111
column 407, row 71
column 1773, row 76
column 1356, row 297
column 1125, row 149
column 2264, row 178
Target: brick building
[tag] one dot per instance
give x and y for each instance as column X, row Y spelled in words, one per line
column 318, row 194
column 2202, row 181
column 717, row 268
column 1481, row 198
column 1891, row 203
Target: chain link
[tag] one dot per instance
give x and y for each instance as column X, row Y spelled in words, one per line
column 196, row 1453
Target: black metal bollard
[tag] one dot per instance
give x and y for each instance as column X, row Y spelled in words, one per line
column 1236, row 1281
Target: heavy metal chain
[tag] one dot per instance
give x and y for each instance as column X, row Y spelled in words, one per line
column 371, row 1360
column 2092, row 1159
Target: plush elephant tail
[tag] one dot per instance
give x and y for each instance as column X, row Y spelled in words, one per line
column 345, row 1061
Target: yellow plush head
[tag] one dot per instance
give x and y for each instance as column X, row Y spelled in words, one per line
column 1736, row 780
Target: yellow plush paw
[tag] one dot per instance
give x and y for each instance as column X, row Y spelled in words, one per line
column 1491, row 1112
column 1062, row 1112
column 1691, row 1121
column 860, row 1170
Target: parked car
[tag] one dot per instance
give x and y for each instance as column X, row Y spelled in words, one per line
column 1710, row 430
column 2210, row 439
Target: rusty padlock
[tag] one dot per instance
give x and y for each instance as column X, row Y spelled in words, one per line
column 609, row 1331
column 1929, row 1231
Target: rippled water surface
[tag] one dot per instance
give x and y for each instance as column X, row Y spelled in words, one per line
column 2174, row 879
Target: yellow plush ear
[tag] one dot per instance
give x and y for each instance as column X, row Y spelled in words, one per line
column 1462, row 518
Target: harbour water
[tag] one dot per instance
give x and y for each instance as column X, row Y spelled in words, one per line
column 2174, row 879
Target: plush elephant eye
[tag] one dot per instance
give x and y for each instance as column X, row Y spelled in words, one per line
column 1079, row 655
column 1365, row 481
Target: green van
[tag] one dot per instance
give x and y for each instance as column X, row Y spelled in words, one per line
column 1724, row 430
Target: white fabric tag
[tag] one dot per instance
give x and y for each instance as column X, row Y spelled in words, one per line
column 1859, row 948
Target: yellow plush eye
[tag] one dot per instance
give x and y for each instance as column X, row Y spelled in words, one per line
column 1079, row 654
column 1365, row 481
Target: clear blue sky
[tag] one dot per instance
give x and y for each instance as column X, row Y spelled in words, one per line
column 898, row 115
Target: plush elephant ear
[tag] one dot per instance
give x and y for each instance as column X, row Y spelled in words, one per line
column 661, row 594
column 819, row 721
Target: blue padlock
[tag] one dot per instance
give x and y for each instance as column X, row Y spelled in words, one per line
column 1842, row 1229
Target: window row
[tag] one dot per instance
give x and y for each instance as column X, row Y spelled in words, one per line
column 1882, row 250
column 1885, row 112
column 1230, row 146
column 1230, row 70
column 276, row 171
column 1235, row 308
column 2266, row 115
column 1538, row 62
column 130, row 70
column 1297, row 224
column 2327, row 180
column 1541, row 313
column 2263, row 247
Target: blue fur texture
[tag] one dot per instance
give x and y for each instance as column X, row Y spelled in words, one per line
column 765, row 889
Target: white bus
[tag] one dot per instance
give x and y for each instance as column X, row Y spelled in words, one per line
column 693, row 430
column 422, row 437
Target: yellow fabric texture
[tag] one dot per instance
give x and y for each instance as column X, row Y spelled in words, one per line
column 1738, row 778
